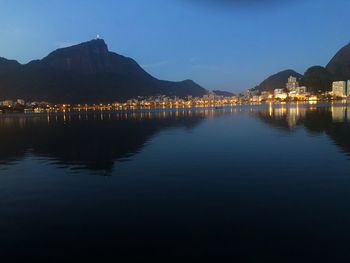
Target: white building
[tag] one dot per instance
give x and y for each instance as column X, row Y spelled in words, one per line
column 292, row 83
column 7, row 103
column 301, row 90
column 265, row 95
column 280, row 94
column 256, row 98
column 21, row 102
column 277, row 91
column 339, row 88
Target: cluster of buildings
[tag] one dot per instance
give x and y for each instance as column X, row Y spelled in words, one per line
column 22, row 103
column 210, row 99
column 291, row 92
column 11, row 103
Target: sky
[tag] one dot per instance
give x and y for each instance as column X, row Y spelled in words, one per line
column 221, row 44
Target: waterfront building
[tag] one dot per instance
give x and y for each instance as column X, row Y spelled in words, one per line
column 265, row 95
column 277, row 91
column 298, row 93
column 247, row 95
column 339, row 88
column 256, row 98
column 292, row 83
column 21, row 102
column 280, row 94
column 348, row 88
column 301, row 90
column 210, row 95
column 7, row 103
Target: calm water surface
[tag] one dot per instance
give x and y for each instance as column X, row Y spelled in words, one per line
column 249, row 183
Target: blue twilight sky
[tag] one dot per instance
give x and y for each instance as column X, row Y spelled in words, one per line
column 221, row 44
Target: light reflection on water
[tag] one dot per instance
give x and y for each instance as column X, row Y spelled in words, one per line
column 22, row 135
column 20, row 129
column 248, row 182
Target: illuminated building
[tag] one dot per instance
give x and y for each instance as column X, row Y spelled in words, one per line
column 7, row 103
column 301, row 90
column 280, row 94
column 292, row 84
column 339, row 88
column 21, row 102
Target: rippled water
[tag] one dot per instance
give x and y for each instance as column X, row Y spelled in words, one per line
column 249, row 183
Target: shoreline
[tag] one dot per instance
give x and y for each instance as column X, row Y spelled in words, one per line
column 244, row 106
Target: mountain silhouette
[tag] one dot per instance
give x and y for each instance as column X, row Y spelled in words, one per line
column 85, row 73
column 339, row 65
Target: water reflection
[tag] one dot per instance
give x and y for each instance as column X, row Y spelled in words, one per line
column 91, row 141
column 247, row 183
column 332, row 120
column 96, row 140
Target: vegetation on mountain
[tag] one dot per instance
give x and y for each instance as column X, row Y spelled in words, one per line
column 317, row 79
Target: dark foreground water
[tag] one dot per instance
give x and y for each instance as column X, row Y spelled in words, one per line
column 249, row 183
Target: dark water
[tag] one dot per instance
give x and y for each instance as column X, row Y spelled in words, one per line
column 251, row 184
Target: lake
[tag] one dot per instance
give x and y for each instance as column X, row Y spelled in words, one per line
column 246, row 183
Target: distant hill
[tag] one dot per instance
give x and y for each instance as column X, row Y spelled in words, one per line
column 277, row 81
column 85, row 73
column 223, row 93
column 339, row 66
column 317, row 79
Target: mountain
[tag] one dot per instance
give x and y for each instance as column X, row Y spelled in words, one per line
column 223, row 93
column 85, row 73
column 317, row 79
column 277, row 81
column 339, row 66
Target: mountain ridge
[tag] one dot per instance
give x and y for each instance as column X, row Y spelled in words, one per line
column 85, row 73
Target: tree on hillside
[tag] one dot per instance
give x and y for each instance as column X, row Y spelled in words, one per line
column 317, row 79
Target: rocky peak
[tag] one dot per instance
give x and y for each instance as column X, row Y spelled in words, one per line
column 88, row 58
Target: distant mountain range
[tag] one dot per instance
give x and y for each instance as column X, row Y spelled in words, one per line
column 316, row 78
column 85, row 73
column 90, row 73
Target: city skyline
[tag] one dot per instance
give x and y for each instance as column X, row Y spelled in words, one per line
column 229, row 46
